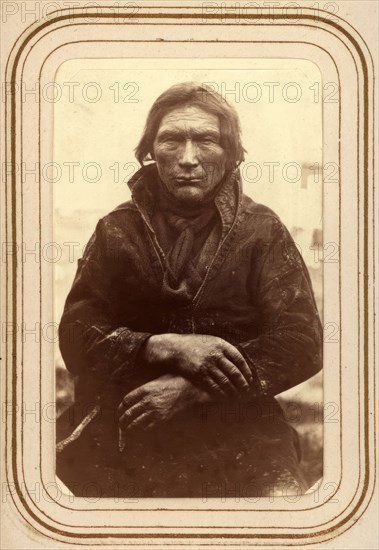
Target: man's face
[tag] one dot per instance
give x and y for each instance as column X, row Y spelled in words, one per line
column 189, row 157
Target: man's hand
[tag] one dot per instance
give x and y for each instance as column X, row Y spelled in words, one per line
column 158, row 401
column 211, row 361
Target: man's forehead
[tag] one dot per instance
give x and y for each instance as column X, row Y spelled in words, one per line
column 187, row 116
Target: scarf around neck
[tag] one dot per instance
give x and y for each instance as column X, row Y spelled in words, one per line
column 189, row 239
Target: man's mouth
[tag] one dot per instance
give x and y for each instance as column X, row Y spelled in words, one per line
column 186, row 181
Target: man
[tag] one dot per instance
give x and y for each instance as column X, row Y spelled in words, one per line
column 191, row 309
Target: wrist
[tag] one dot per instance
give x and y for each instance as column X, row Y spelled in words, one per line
column 191, row 393
column 158, row 349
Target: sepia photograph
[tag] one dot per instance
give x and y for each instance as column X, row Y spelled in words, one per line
column 190, row 305
column 188, row 290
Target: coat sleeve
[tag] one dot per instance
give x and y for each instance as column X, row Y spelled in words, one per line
column 288, row 349
column 91, row 342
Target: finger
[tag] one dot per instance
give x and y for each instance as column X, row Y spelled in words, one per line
column 223, row 382
column 130, row 399
column 233, row 374
column 132, row 413
column 213, row 387
column 232, row 353
column 139, row 423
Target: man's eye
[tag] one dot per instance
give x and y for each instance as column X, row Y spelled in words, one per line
column 208, row 141
column 171, row 141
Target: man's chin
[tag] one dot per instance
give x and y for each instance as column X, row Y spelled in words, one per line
column 189, row 195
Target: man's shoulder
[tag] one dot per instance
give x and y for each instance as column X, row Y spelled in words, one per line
column 123, row 207
column 124, row 211
column 262, row 222
column 259, row 210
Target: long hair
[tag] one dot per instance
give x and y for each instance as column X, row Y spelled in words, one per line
column 194, row 95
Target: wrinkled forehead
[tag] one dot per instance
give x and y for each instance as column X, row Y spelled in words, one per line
column 187, row 117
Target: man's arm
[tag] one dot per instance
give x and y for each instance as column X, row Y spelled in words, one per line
column 93, row 344
column 289, row 348
column 91, row 340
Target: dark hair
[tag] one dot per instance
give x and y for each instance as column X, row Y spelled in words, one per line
column 193, row 94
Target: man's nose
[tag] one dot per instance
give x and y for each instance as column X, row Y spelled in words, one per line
column 189, row 155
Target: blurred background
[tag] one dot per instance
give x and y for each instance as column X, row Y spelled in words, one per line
column 99, row 115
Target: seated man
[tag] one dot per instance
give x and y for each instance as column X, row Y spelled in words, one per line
column 190, row 310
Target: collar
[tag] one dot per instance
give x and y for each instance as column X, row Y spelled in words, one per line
column 228, row 199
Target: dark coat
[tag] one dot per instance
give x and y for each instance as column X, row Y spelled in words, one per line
column 256, row 294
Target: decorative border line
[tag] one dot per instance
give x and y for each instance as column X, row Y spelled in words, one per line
column 339, row 158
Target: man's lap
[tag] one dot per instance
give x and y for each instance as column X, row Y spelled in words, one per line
column 195, row 457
